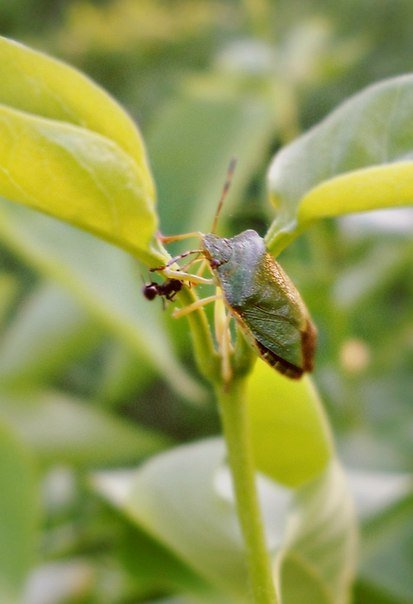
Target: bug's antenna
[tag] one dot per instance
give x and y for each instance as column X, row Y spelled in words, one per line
column 228, row 180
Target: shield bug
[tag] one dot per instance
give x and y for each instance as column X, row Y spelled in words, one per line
column 263, row 301
column 257, row 293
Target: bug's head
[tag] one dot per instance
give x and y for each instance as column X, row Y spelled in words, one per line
column 217, row 250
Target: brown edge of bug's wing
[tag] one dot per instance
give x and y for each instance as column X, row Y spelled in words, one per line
column 281, row 365
column 308, row 345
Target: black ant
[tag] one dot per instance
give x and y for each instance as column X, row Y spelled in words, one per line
column 169, row 288
column 166, row 290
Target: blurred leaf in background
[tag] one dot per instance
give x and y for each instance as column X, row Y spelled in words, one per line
column 88, row 375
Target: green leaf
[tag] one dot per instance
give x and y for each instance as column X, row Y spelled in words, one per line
column 61, row 429
column 123, row 375
column 35, row 83
column 387, row 536
column 291, row 439
column 183, row 498
column 172, row 498
column 358, row 158
column 299, row 584
column 79, row 177
column 192, row 142
column 19, row 513
column 8, row 290
column 320, row 542
column 103, row 279
column 143, row 556
column 48, row 330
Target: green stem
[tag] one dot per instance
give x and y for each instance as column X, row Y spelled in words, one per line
column 231, row 398
column 207, row 359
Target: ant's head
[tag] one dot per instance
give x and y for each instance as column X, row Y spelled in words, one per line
column 150, row 290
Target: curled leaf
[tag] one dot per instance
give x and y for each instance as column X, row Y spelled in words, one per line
column 359, row 158
column 80, row 177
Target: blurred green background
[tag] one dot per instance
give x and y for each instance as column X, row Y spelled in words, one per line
column 86, row 383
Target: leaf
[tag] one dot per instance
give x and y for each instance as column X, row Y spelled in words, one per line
column 79, row 177
column 298, row 584
column 387, row 554
column 19, row 513
column 320, row 541
column 192, row 142
column 61, row 429
column 123, row 375
column 359, row 158
column 103, row 279
column 48, row 330
column 143, row 556
column 172, row 497
column 183, row 498
column 35, row 83
column 8, row 291
column 291, row 439
column 376, row 491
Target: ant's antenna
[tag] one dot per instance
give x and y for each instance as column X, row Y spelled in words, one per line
column 228, row 180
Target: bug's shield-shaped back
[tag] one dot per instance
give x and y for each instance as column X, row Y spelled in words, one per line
column 264, row 301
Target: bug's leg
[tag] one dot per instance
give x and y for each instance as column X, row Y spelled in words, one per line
column 175, row 259
column 181, row 312
column 226, row 350
column 182, row 276
column 223, row 337
column 172, row 238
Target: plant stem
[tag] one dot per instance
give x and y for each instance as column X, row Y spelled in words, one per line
column 207, row 359
column 231, row 398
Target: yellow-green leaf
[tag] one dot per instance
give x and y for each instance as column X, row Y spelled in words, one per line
column 359, row 158
column 360, row 190
column 36, row 83
column 103, row 279
column 291, row 438
column 80, row 177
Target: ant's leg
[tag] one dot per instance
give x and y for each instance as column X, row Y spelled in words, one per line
column 181, row 312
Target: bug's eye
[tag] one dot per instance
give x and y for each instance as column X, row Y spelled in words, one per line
column 214, row 262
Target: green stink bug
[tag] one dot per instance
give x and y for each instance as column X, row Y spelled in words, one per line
column 263, row 300
column 258, row 295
